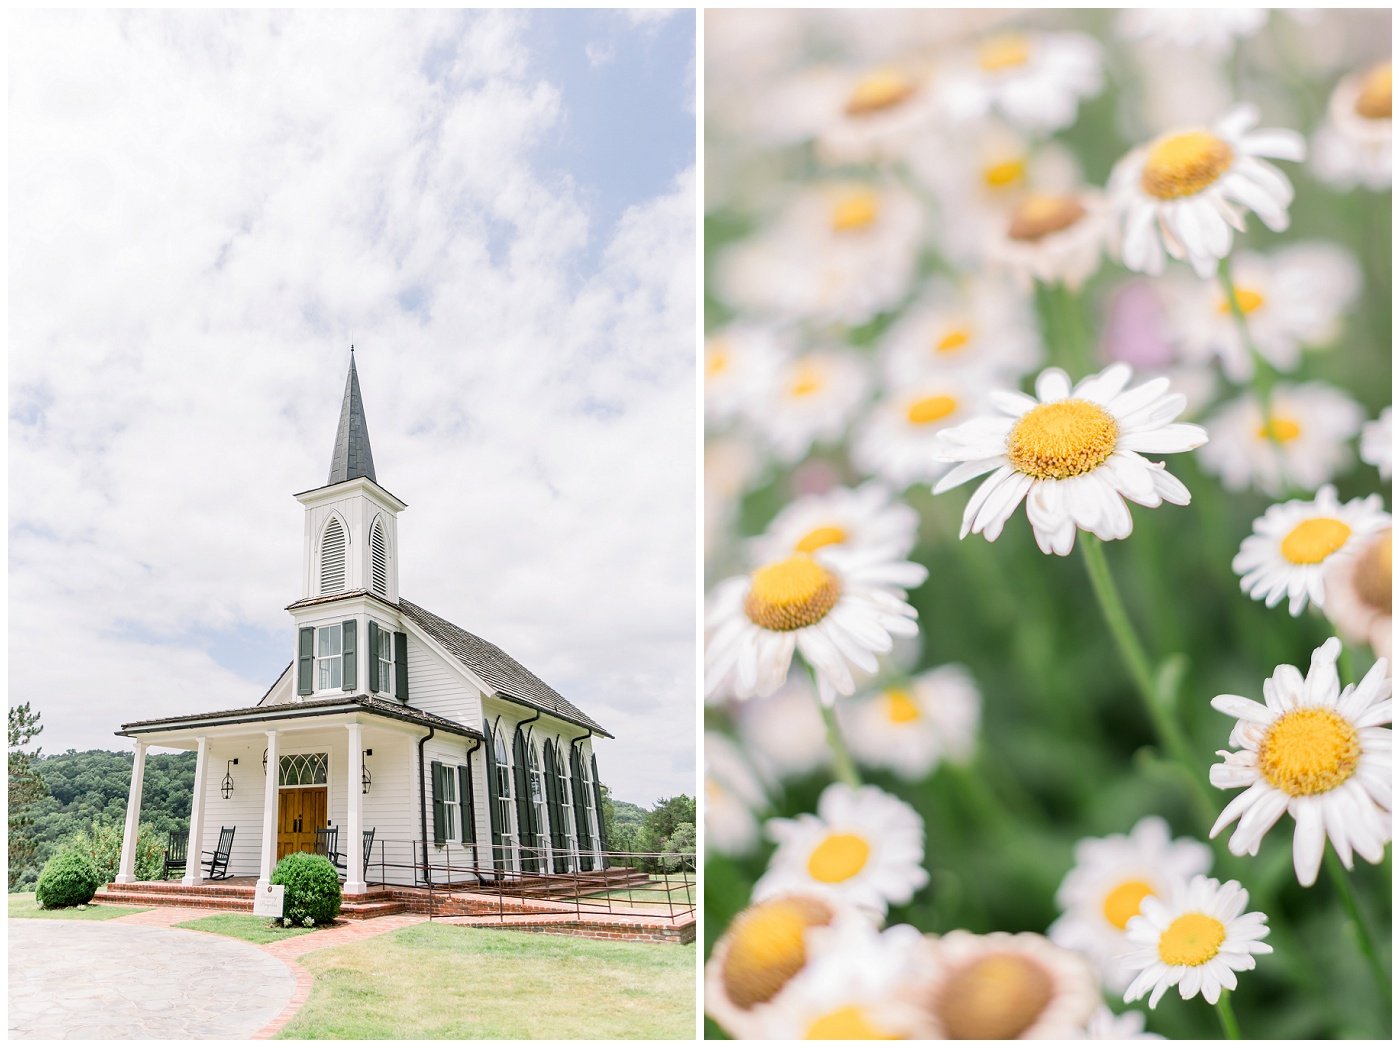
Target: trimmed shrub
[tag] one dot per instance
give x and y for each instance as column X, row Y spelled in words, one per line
column 102, row 843
column 312, row 888
column 68, row 879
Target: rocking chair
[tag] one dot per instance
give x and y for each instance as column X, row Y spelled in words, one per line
column 175, row 855
column 218, row 858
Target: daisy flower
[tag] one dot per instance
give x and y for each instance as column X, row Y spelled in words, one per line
column 839, row 608
column 1103, row 1025
column 784, row 732
column 1376, row 443
column 741, row 363
column 911, row 728
column 760, row 952
column 867, row 517
column 1316, row 751
column 879, row 114
column 812, row 400
column 1353, row 145
column 1196, row 941
column 897, row 440
column 1111, row 878
column 863, row 847
column 859, row 984
column 1212, row 30
column 1359, row 594
column 1294, row 542
column 1293, row 298
column 732, row 794
column 1033, row 80
column 1304, row 443
column 1053, row 239
column 1073, row 455
column 979, row 329
column 1186, row 190
column 1007, row 987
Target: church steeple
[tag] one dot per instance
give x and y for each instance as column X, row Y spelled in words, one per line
column 352, row 456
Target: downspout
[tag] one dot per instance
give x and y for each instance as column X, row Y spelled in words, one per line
column 529, row 800
column 476, row 857
column 423, row 806
column 572, row 744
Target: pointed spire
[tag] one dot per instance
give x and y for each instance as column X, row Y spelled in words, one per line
column 352, row 457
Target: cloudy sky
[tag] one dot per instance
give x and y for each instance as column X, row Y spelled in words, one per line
column 498, row 209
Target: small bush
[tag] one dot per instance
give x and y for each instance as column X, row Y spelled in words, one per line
column 102, row 843
column 68, row 879
column 312, row 889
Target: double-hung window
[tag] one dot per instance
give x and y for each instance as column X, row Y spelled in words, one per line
column 451, row 803
column 384, row 642
column 330, row 647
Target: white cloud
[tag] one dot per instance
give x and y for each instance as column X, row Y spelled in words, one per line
column 599, row 54
column 209, row 206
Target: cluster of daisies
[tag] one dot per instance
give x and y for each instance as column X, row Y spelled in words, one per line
column 901, row 310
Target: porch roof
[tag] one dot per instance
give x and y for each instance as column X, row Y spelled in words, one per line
column 295, row 710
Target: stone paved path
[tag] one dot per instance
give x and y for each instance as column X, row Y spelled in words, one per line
column 111, row 980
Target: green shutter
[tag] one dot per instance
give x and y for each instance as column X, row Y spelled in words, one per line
column 598, row 802
column 464, row 798
column 401, row 666
column 493, row 799
column 306, row 658
column 347, row 672
column 373, row 657
column 557, row 839
column 524, row 810
column 439, row 811
column 585, row 840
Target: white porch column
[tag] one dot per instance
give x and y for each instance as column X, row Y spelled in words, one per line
column 354, row 849
column 126, row 872
column 193, row 869
column 269, row 828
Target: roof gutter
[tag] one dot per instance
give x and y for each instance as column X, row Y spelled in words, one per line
column 423, row 806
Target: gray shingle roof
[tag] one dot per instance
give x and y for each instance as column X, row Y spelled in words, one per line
column 496, row 668
column 352, row 457
column 369, row 703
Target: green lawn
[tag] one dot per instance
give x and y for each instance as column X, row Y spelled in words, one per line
column 23, row 904
column 650, row 896
column 244, row 926
column 445, row 981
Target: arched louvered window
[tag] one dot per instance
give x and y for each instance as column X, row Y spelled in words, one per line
column 333, row 557
column 378, row 559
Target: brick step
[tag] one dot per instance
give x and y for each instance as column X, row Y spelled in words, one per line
column 238, row 891
column 363, row 911
column 196, row 902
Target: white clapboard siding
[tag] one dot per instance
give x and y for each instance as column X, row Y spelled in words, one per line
column 436, row 686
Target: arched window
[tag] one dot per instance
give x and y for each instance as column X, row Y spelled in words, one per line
column 505, row 810
column 587, row 800
column 333, row 557
column 537, row 799
column 378, row 559
column 567, row 808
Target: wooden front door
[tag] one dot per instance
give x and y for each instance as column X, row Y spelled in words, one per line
column 301, row 811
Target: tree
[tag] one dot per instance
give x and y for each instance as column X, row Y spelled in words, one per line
column 26, row 789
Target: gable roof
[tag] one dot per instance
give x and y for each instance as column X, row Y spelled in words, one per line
column 389, row 708
column 351, row 457
column 510, row 679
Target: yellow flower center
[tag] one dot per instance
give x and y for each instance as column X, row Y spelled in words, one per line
column 838, row 858
column 1039, row 216
column 1004, row 173
column 1004, row 52
column 930, row 409
column 953, row 341
column 883, row 89
column 1062, row 439
column 1124, row 902
column 1309, row 751
column 854, row 211
column 1184, row 164
column 994, row 998
column 1191, row 939
column 791, row 594
column 1313, row 541
column 1249, row 301
column 766, row 947
column 806, row 381
column 849, row 1023
column 900, row 706
column 716, row 358
column 1373, row 102
column 827, row 535
column 1372, row 573
column 1280, row 428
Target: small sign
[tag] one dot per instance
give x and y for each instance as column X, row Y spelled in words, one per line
column 268, row 902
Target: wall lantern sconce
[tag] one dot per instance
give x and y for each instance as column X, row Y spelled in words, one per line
column 226, row 787
column 364, row 773
column 264, row 762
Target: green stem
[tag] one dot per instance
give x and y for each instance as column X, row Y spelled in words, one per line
column 1073, row 331
column 1228, row 1022
column 1342, row 883
column 840, row 755
column 1140, row 668
column 1262, row 381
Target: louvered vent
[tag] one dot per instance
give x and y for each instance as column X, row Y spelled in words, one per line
column 333, row 558
column 379, row 561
